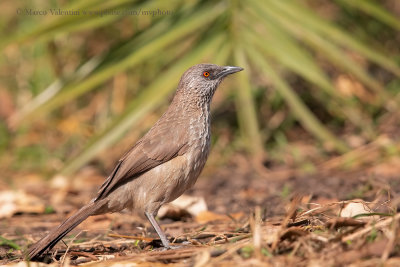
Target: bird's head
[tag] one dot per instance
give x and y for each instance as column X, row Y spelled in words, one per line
column 203, row 79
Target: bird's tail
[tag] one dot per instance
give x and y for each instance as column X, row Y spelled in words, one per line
column 63, row 229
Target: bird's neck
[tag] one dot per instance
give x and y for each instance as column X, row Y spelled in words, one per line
column 191, row 106
column 193, row 118
column 194, row 114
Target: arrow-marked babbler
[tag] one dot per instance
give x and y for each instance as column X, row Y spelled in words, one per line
column 163, row 164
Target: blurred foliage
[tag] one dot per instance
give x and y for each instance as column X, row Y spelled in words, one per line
column 73, row 85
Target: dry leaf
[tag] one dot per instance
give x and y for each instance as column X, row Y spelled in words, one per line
column 208, row 216
column 12, row 202
column 183, row 206
column 356, row 208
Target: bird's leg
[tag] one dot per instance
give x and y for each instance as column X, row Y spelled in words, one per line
column 156, row 227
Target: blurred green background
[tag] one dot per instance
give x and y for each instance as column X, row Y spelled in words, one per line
column 321, row 78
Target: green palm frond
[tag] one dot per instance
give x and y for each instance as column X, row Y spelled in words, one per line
column 275, row 39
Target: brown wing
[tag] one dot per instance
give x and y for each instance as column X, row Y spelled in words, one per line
column 164, row 141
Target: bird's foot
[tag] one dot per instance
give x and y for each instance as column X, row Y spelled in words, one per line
column 170, row 246
column 178, row 246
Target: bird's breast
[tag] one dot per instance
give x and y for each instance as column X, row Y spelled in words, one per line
column 199, row 130
column 199, row 143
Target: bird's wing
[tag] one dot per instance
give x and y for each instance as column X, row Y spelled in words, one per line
column 165, row 140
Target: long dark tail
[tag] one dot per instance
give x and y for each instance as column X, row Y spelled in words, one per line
column 64, row 228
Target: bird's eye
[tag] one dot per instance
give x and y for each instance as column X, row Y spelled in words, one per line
column 206, row 74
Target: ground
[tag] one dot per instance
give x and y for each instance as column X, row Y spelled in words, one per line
column 254, row 216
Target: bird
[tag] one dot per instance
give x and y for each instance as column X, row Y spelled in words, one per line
column 162, row 165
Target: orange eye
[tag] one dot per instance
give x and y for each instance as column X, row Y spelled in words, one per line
column 206, row 74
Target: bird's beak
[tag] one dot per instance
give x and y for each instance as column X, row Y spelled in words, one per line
column 226, row 70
